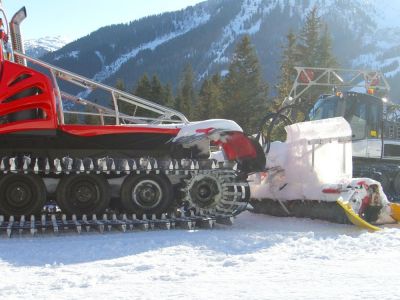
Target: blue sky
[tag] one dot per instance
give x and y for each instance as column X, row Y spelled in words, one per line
column 75, row 18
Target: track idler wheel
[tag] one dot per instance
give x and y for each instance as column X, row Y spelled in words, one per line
column 21, row 195
column 83, row 194
column 146, row 194
column 218, row 193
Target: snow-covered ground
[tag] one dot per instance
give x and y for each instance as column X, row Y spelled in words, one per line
column 260, row 257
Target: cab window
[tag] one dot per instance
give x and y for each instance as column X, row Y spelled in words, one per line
column 324, row 109
column 356, row 115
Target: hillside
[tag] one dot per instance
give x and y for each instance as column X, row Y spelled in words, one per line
column 365, row 35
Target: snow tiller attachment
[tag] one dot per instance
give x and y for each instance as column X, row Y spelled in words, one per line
column 310, row 176
column 67, row 161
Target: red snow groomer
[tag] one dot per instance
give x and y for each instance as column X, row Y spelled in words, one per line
column 147, row 158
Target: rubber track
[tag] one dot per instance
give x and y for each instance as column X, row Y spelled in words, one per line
column 57, row 224
column 233, row 202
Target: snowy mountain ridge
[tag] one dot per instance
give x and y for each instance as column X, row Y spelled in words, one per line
column 365, row 35
column 41, row 46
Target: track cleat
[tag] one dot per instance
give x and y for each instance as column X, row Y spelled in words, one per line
column 21, row 224
column 3, row 164
column 148, row 166
column 125, row 166
column 26, row 163
column 13, row 164
column 47, row 166
column 36, row 166
column 105, row 220
column 112, row 165
column 54, row 223
column 80, row 166
column 91, row 164
column 102, row 163
column 86, row 223
column 64, row 221
column 67, row 161
column 77, row 224
column 43, row 223
column 100, row 225
column 10, row 226
column 32, row 227
column 121, row 224
column 57, row 165
column 126, row 221
column 134, row 166
column 150, row 224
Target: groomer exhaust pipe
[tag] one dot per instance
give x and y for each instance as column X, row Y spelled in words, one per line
column 16, row 37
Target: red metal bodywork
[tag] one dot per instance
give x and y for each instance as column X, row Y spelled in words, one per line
column 91, row 130
column 16, row 80
column 25, row 89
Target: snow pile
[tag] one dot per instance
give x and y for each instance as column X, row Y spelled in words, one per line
column 313, row 156
column 260, row 257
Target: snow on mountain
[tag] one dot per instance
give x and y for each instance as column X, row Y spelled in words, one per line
column 41, row 46
column 366, row 34
column 181, row 28
column 259, row 257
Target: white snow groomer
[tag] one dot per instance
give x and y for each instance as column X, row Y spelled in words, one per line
column 138, row 160
column 348, row 136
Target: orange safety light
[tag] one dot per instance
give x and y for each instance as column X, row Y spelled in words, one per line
column 371, row 91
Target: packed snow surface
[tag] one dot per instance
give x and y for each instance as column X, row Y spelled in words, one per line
column 260, row 257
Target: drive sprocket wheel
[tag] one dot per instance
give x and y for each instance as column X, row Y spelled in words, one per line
column 217, row 193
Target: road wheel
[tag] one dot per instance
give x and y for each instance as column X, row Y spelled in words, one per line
column 83, row 194
column 22, row 195
column 146, row 194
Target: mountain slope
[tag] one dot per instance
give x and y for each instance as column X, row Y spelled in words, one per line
column 365, row 34
column 40, row 47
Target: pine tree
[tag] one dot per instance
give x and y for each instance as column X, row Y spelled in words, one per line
column 92, row 119
column 325, row 58
column 123, row 106
column 314, row 50
column 186, row 94
column 143, row 88
column 309, row 39
column 288, row 72
column 244, row 91
column 287, row 76
column 167, row 96
column 209, row 105
column 120, row 84
column 156, row 94
column 71, row 118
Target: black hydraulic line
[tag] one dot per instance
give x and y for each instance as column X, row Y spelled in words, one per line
column 274, row 117
column 275, row 120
